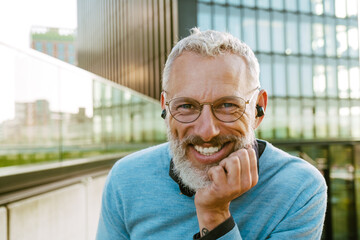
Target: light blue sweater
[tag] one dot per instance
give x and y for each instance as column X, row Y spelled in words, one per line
column 141, row 201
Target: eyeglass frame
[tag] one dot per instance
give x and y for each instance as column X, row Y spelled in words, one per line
column 211, row 106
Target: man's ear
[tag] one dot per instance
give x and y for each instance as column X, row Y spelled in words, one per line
column 162, row 100
column 261, row 102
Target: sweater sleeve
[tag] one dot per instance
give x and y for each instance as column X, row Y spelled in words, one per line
column 111, row 225
column 226, row 230
column 305, row 222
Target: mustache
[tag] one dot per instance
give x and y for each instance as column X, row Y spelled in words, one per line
column 216, row 141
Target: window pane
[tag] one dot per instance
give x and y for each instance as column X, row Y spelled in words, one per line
column 50, row 49
column 318, row 43
column 319, row 80
column 281, row 123
column 249, row 29
column 308, row 118
column 204, row 16
column 293, row 76
column 329, row 7
column 219, row 18
column 278, row 32
column 343, row 80
column 333, row 111
column 234, row 2
column 330, row 37
column 249, row 3
column 344, row 120
column 353, row 40
column 295, row 119
column 317, row 7
column 277, row 4
column 266, row 73
column 305, row 36
column 355, row 119
column 342, row 41
column 306, row 77
column 352, row 8
column 38, row 46
column 291, row 5
column 340, row 8
column 264, row 31
column 279, row 76
column 331, row 78
column 320, row 119
column 354, row 79
column 304, row 6
column 235, row 21
column 292, row 37
column 263, row 3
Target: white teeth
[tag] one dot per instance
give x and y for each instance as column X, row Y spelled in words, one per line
column 207, row 151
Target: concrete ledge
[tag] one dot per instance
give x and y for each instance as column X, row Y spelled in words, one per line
column 71, row 212
column 3, row 223
column 14, row 179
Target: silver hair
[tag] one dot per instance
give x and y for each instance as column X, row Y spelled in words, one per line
column 211, row 43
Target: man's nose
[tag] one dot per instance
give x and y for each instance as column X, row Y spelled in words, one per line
column 206, row 126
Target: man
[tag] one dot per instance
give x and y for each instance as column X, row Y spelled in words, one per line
column 213, row 177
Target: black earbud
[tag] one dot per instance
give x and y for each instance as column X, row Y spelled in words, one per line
column 260, row 111
column 163, row 114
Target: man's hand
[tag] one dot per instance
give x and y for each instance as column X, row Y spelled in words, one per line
column 234, row 176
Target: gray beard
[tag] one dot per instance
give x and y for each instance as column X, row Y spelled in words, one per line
column 192, row 177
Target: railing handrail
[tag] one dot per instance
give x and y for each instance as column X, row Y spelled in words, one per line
column 21, row 182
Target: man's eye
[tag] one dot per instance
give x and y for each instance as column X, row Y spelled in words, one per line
column 227, row 105
column 185, row 106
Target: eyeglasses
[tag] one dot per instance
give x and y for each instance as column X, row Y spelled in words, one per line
column 226, row 109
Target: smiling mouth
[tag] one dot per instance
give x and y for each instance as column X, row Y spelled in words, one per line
column 208, row 151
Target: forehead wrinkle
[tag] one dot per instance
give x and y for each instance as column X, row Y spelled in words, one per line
column 204, row 81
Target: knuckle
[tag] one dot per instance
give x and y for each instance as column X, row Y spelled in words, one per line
column 234, row 160
column 215, row 170
column 247, row 184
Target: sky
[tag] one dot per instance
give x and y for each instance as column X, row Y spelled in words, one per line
column 17, row 17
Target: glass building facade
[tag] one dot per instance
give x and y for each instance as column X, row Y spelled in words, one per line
column 308, row 52
column 309, row 59
column 53, row 111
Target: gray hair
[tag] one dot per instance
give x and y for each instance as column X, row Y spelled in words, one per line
column 211, row 43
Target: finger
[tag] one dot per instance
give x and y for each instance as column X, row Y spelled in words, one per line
column 253, row 167
column 231, row 165
column 245, row 180
column 233, row 168
column 217, row 175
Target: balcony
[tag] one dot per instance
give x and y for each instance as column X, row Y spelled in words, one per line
column 61, row 130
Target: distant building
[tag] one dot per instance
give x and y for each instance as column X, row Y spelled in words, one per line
column 35, row 123
column 56, row 42
column 32, row 113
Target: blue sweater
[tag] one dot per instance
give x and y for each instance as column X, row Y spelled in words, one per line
column 141, row 201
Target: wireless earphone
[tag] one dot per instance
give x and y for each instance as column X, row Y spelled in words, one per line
column 163, row 114
column 260, row 111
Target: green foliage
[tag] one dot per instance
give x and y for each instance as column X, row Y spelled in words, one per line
column 52, row 35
